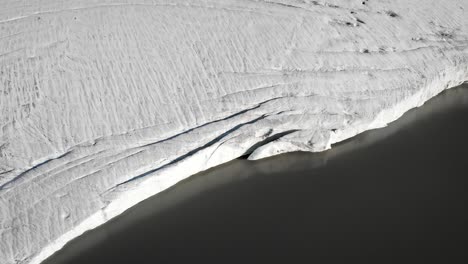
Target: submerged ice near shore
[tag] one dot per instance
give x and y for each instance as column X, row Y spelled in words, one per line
column 105, row 103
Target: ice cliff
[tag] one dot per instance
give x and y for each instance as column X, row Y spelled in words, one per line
column 104, row 103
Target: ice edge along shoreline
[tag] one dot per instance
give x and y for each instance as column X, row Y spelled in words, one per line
column 129, row 198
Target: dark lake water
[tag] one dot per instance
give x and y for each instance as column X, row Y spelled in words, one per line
column 397, row 194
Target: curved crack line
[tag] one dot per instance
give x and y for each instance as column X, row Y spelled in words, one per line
column 268, row 140
column 5, row 185
column 188, row 154
column 211, row 122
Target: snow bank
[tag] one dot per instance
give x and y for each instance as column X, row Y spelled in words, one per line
column 105, row 103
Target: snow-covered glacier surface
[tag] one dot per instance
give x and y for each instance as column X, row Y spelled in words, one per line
column 104, row 103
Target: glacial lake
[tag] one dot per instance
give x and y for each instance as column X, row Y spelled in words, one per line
column 397, row 194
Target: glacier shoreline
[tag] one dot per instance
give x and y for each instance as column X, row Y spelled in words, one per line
column 133, row 197
column 98, row 117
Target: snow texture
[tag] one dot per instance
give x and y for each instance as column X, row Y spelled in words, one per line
column 104, row 103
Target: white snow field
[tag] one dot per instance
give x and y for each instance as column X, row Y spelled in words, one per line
column 104, row 103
